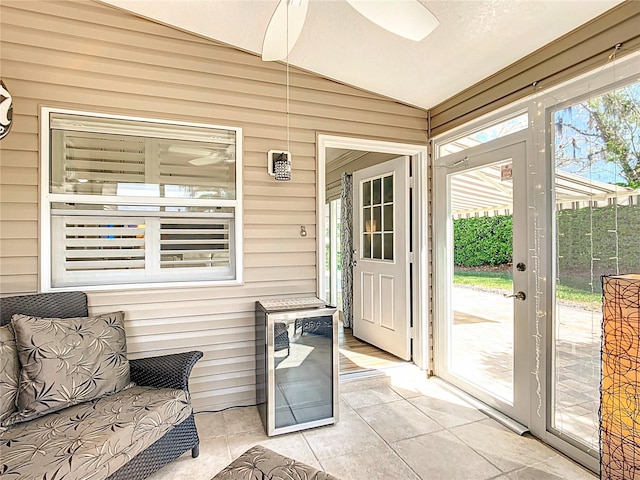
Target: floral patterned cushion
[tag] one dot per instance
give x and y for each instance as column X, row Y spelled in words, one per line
column 92, row 440
column 66, row 361
column 260, row 463
column 9, row 371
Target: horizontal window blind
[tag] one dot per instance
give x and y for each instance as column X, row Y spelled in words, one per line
column 94, row 164
column 101, row 243
column 193, row 243
column 110, row 248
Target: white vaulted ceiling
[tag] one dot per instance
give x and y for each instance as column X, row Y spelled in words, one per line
column 473, row 40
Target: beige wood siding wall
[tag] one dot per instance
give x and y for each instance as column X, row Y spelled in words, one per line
column 334, row 171
column 581, row 50
column 87, row 56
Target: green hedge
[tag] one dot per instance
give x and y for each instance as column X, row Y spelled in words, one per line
column 482, row 241
column 580, row 231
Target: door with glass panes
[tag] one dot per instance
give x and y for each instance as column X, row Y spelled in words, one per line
column 381, row 256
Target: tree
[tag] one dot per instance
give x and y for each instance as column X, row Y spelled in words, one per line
column 601, row 131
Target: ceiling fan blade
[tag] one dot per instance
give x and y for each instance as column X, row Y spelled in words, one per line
column 277, row 44
column 227, row 155
column 208, row 160
column 407, row 18
column 189, row 150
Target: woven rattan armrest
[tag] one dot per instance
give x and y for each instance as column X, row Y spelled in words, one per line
column 165, row 371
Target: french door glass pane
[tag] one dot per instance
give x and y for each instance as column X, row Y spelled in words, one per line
column 597, row 180
column 482, row 319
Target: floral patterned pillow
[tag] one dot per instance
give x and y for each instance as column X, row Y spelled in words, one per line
column 9, row 371
column 66, row 361
column 261, row 463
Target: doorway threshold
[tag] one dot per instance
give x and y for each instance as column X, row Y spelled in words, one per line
column 498, row 416
column 388, row 371
column 357, row 356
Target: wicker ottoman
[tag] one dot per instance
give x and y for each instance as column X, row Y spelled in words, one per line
column 260, row 463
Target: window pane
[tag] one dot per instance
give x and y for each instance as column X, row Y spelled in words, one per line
column 377, row 246
column 388, row 218
column 596, row 219
column 388, row 246
column 366, row 245
column 197, row 170
column 377, row 191
column 366, row 219
column 377, row 219
column 366, row 193
column 91, row 163
column 498, row 130
column 388, row 189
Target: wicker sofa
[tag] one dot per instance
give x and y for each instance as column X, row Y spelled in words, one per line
column 124, row 432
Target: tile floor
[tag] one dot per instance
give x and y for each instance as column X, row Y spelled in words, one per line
column 394, row 427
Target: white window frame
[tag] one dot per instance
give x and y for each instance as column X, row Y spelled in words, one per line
column 47, row 199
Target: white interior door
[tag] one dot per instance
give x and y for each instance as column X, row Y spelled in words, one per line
column 381, row 300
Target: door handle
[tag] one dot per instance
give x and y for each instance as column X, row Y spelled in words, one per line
column 354, row 263
column 519, row 296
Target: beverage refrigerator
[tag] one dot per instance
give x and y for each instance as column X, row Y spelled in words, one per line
column 297, row 358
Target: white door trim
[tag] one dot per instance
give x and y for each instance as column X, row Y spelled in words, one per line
column 420, row 221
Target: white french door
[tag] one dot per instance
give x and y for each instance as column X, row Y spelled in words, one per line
column 484, row 296
column 381, row 301
column 582, row 216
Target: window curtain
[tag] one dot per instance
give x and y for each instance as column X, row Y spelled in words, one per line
column 346, row 245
